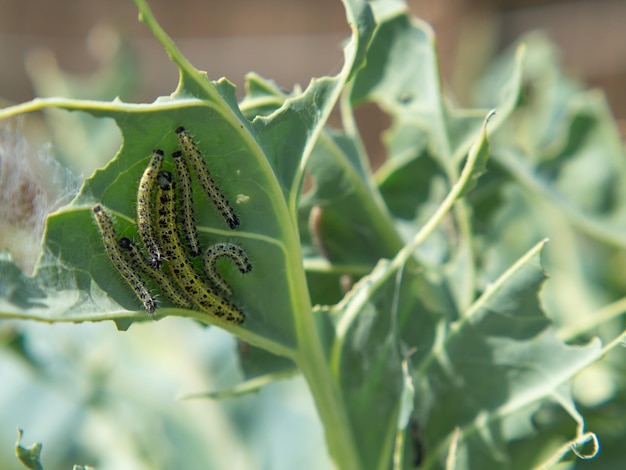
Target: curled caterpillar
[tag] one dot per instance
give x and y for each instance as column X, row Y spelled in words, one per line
column 229, row 250
column 180, row 267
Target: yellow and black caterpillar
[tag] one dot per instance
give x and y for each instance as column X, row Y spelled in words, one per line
column 165, row 203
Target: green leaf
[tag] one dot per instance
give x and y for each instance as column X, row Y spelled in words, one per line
column 73, row 242
column 29, row 457
column 555, row 184
column 350, row 224
column 302, row 117
column 427, row 135
column 366, row 361
column 245, row 388
column 365, row 355
column 259, row 165
column 488, row 372
column 436, row 348
column 252, row 171
column 479, row 152
column 429, row 139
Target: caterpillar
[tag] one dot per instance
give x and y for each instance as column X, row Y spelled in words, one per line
column 109, row 240
column 145, row 208
column 207, row 182
column 186, row 197
column 180, row 267
column 234, row 252
column 165, row 284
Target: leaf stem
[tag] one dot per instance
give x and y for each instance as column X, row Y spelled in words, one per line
column 584, row 222
column 313, row 364
column 604, row 315
column 330, row 405
column 457, row 190
column 187, row 70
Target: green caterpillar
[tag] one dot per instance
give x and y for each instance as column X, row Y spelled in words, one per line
column 202, row 295
column 112, row 249
column 207, row 182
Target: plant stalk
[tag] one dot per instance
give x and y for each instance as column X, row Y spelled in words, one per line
column 329, row 402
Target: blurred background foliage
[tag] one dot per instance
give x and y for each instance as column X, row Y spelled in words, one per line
column 95, row 396
column 102, row 42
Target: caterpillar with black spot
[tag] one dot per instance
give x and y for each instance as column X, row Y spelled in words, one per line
column 165, row 284
column 112, row 249
column 229, row 250
column 205, row 297
column 145, row 208
column 183, row 179
column 207, row 182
